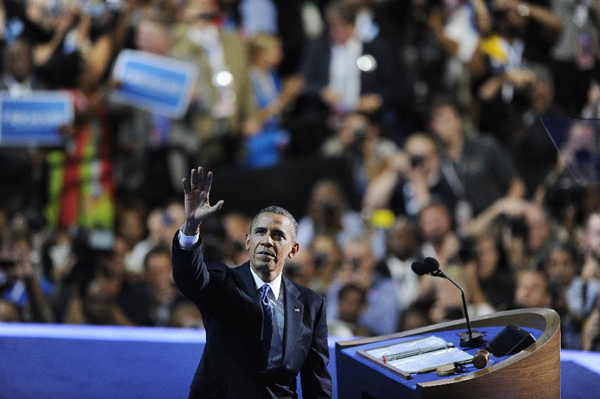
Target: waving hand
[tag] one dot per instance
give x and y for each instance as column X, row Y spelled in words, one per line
column 197, row 200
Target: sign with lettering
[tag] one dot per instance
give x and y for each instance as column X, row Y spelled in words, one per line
column 34, row 119
column 157, row 84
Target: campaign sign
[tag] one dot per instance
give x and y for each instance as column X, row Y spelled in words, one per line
column 34, row 119
column 157, row 84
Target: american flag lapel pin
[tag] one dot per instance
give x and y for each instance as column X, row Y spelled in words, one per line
column 296, row 310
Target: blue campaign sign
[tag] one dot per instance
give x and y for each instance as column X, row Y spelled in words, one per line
column 157, row 84
column 34, row 119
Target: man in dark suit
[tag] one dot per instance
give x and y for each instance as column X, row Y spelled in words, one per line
column 345, row 72
column 261, row 328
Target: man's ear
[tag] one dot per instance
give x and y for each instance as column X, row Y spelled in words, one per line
column 247, row 242
column 294, row 251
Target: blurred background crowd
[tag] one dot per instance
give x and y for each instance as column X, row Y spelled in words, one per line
column 396, row 129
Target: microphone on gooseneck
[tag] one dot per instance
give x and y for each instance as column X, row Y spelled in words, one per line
column 431, row 266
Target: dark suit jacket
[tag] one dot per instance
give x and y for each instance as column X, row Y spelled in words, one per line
column 228, row 300
column 382, row 80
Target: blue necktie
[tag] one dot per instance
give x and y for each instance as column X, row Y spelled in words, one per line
column 267, row 329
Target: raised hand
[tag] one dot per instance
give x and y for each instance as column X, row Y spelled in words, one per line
column 197, row 200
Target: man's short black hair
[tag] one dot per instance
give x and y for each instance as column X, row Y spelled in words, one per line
column 157, row 250
column 279, row 211
column 442, row 101
column 342, row 10
column 348, row 288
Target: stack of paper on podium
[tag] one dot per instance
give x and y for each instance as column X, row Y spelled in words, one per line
column 411, row 356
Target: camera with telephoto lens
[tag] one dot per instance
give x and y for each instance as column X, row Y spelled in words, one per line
column 416, row 161
column 517, row 226
column 329, row 211
column 359, row 135
column 319, row 260
column 466, row 251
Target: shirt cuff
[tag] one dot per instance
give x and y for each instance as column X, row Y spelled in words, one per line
column 187, row 242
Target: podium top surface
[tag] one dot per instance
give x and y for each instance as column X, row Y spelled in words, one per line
column 449, row 336
column 541, row 323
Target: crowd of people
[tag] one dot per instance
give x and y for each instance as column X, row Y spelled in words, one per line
column 434, row 105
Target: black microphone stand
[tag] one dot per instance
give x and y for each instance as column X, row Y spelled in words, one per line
column 471, row 339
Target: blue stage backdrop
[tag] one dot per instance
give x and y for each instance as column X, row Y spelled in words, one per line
column 85, row 362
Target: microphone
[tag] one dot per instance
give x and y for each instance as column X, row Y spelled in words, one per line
column 431, row 266
column 418, row 267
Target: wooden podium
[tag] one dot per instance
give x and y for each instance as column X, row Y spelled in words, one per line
column 530, row 374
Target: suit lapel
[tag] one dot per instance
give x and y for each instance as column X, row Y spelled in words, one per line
column 293, row 317
column 246, row 281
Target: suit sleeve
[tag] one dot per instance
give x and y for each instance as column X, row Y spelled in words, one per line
column 314, row 376
column 191, row 274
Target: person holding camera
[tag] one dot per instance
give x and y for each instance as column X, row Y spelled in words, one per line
column 24, row 291
column 478, row 168
column 382, row 312
column 262, row 329
column 412, row 180
column 359, row 140
column 329, row 214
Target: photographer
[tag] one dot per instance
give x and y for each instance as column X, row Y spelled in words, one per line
column 478, row 168
column 382, row 312
column 23, row 291
column 526, row 230
column 329, row 213
column 584, row 290
column 358, row 138
column 327, row 259
column 411, row 180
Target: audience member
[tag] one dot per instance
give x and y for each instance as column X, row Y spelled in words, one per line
column 345, row 73
column 412, row 180
column 493, row 272
column 369, row 82
column 382, row 313
column 478, row 169
column 560, row 265
column 438, row 239
column 224, row 106
column 329, row 213
column 448, row 304
column 352, row 301
column 327, row 259
column 532, row 290
column 265, row 148
column 402, row 250
column 359, row 140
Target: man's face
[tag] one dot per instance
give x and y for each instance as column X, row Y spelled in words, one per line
column 19, row 63
column 358, row 257
column 424, row 150
column 340, row 31
column 561, row 267
column 350, row 306
column 446, row 124
column 592, row 234
column 159, row 270
column 271, row 242
column 532, row 291
column 152, row 37
column 402, row 240
column 435, row 223
column 354, row 130
column 539, row 228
